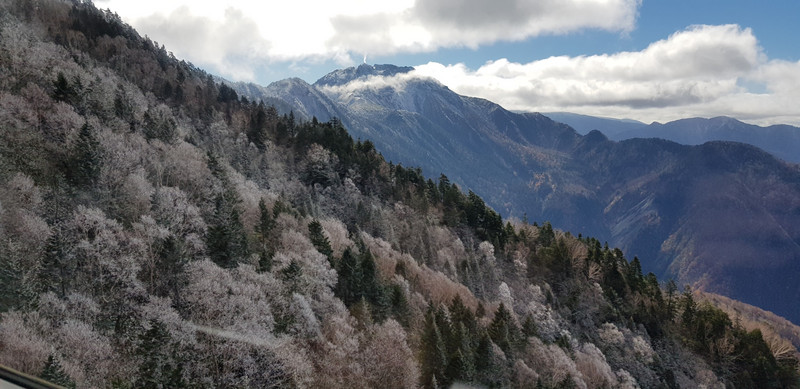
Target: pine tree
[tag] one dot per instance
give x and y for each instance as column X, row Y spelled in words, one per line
column 462, row 357
column 529, row 327
column 265, row 221
column 257, row 133
column 460, row 314
column 399, row 304
column 370, row 285
column 502, row 329
column 434, row 353
column 291, row 275
column 226, row 239
column 318, row 239
column 348, row 284
column 54, row 373
column 87, row 159
column 169, row 269
column 54, row 272
column 546, row 235
column 159, row 125
column 63, row 90
column 688, row 307
column 158, row 368
column 483, row 353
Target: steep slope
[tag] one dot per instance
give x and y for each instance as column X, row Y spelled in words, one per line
column 722, row 215
column 708, row 215
column 775, row 328
column 293, row 94
column 157, row 230
column 419, row 121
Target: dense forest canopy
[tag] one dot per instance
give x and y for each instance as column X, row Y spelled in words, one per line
column 158, row 230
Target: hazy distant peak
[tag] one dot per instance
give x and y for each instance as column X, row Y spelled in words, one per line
column 343, row 76
column 293, row 81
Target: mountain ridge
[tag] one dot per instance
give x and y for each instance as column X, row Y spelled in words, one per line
column 626, row 192
column 159, row 230
column 782, row 140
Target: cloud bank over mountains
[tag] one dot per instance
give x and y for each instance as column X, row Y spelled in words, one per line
column 701, row 71
column 307, row 29
column 236, row 35
column 704, row 70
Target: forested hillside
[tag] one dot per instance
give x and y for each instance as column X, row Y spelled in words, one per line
column 721, row 216
column 158, row 230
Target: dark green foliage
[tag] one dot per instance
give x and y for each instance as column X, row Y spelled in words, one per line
column 433, row 361
column 672, row 289
column 264, row 261
column 761, row 370
column 529, row 327
column 502, row 330
column 159, row 126
column 556, row 258
column 54, row 373
column 634, row 275
column 266, row 221
column 226, row 94
column 563, row 342
column 54, row 273
column 168, row 273
column 457, row 348
column 263, row 122
column 14, row 293
column 226, row 240
column 370, row 285
column 688, row 307
column 291, row 275
column 280, row 207
column 265, row 239
column 750, row 364
column 63, row 90
column 158, row 367
column 318, row 239
column 546, row 235
column 95, row 23
column 348, row 285
column 84, row 166
column 358, row 280
column 461, row 315
column 398, row 304
column 461, row 365
column 487, row 223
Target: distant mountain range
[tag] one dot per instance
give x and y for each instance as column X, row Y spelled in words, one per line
column 608, row 126
column 781, row 140
column 724, row 216
column 158, row 229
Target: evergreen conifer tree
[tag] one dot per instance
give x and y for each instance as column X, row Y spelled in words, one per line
column 502, row 329
column 348, row 284
column 87, row 159
column 434, row 353
column 54, row 373
column 319, row 240
column 226, row 239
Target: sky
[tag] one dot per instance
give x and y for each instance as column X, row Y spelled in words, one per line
column 649, row 60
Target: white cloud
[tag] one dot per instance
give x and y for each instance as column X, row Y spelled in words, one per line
column 236, row 36
column 702, row 71
column 218, row 43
